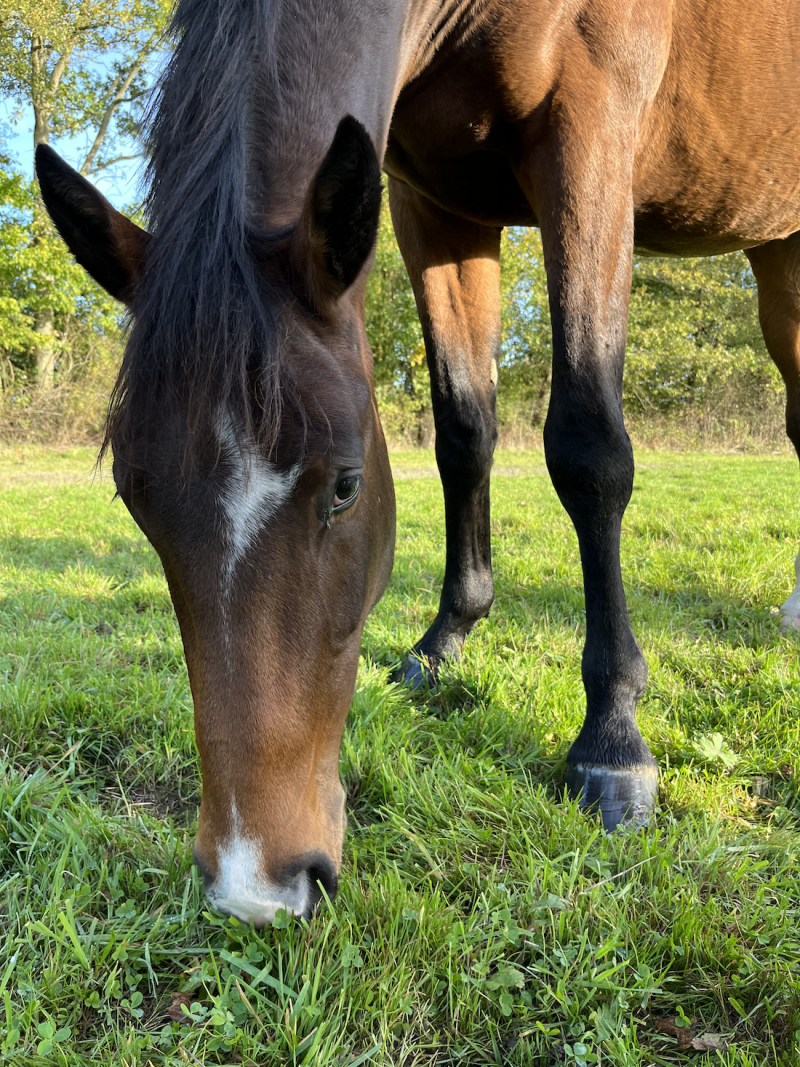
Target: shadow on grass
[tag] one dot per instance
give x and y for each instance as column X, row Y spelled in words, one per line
column 59, row 554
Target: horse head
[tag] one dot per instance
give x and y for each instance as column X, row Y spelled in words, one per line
column 247, row 447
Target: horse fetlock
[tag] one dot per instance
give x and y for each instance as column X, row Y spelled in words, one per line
column 421, row 668
column 614, row 685
column 471, row 601
column 442, row 642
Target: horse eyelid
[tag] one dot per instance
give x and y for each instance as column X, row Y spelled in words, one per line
column 345, row 504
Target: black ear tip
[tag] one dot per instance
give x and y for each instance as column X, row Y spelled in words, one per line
column 350, row 122
column 350, row 125
column 45, row 154
column 48, row 164
column 43, row 157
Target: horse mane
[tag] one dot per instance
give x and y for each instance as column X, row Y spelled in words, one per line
column 207, row 324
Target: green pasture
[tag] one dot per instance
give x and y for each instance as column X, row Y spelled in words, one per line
column 481, row 919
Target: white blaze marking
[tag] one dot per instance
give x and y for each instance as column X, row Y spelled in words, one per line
column 252, row 495
column 242, row 889
column 790, row 609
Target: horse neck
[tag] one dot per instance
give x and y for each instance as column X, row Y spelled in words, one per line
column 330, row 60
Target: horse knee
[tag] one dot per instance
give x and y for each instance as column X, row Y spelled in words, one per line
column 590, row 461
column 466, row 435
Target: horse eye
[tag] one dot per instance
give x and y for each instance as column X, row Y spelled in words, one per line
column 346, row 492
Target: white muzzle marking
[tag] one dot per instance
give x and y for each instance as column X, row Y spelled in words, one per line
column 242, row 889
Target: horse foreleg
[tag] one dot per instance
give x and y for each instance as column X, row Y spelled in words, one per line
column 776, row 266
column 454, row 270
column 579, row 180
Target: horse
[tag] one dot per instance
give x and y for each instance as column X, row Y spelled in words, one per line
column 246, row 441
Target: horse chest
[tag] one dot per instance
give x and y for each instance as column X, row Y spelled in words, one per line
column 479, row 186
column 453, row 140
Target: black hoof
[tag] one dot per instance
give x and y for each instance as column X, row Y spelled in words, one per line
column 624, row 796
column 415, row 674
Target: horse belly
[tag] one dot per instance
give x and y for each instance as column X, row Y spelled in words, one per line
column 718, row 163
column 710, row 203
column 480, row 186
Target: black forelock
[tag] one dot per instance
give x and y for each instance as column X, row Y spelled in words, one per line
column 207, row 328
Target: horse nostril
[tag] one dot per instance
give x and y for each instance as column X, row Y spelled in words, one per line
column 321, row 873
column 208, row 880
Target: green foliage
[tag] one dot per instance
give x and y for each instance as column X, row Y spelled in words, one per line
column 36, row 270
column 84, row 66
column 401, row 373
column 694, row 342
column 714, row 749
column 526, row 348
column 15, row 323
column 391, row 315
column 694, row 333
column 481, row 920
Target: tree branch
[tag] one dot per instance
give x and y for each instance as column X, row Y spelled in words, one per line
column 116, row 100
column 110, row 163
column 41, row 118
column 60, row 67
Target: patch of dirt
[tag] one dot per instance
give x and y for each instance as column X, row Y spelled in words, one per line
column 165, row 803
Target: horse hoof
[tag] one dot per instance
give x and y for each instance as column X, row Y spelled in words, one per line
column 624, row 796
column 415, row 674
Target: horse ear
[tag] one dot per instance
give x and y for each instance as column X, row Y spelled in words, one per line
column 108, row 245
column 339, row 223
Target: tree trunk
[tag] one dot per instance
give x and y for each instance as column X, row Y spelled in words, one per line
column 43, row 354
column 43, row 319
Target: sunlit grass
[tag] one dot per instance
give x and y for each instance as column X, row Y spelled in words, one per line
column 481, row 920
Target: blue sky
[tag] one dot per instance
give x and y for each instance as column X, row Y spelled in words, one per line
column 120, row 184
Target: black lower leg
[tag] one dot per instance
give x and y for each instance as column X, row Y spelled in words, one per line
column 454, row 267
column 591, row 465
column 465, row 438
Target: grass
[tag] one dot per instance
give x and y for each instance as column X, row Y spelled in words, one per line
column 481, row 919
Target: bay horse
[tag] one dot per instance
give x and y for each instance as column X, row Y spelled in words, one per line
column 245, row 437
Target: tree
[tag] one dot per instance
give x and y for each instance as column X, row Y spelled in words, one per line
column 83, row 67
column 395, row 336
column 526, row 346
column 694, row 341
column 71, row 295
